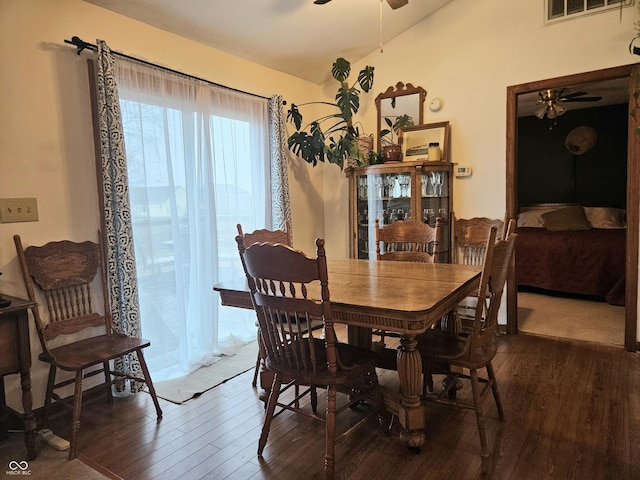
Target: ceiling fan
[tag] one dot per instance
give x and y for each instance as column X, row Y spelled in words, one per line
column 392, row 3
column 550, row 102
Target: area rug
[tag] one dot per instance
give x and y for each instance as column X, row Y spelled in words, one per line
column 570, row 318
column 49, row 463
column 181, row 389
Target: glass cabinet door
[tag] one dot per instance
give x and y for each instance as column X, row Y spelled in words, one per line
column 383, row 196
column 434, row 203
column 400, row 191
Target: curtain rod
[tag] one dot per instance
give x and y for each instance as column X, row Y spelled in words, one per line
column 81, row 45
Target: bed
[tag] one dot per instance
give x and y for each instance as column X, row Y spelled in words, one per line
column 572, row 249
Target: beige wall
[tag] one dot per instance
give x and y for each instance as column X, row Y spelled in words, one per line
column 46, row 139
column 467, row 54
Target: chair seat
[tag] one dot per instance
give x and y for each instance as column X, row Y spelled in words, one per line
column 437, row 344
column 353, row 360
column 92, row 351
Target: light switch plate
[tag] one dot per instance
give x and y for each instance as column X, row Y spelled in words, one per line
column 18, row 210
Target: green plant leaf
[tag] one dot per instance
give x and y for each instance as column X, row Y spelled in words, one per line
column 294, row 116
column 365, row 78
column 308, row 147
column 348, row 101
column 341, row 69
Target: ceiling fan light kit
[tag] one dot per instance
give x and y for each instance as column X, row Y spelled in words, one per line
column 550, row 102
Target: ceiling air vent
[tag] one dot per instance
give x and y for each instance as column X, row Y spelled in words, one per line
column 557, row 10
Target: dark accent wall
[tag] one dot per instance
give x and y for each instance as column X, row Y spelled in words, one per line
column 548, row 173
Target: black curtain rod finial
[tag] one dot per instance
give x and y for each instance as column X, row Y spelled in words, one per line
column 80, row 44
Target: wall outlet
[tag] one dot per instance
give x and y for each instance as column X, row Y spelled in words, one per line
column 18, row 210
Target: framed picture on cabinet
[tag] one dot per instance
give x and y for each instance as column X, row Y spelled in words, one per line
column 428, row 141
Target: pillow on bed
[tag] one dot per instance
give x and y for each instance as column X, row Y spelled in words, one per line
column 531, row 218
column 568, row 218
column 605, row 217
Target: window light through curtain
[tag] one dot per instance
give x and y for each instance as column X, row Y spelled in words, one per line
column 198, row 164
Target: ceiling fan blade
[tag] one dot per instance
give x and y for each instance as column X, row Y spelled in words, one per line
column 571, row 95
column 397, row 3
column 580, row 99
column 321, row 2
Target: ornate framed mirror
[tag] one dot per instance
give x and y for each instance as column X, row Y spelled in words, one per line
column 397, row 102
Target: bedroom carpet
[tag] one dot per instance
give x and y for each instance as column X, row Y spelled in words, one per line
column 182, row 389
column 570, row 318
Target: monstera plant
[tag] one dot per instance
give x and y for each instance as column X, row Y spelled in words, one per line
column 333, row 137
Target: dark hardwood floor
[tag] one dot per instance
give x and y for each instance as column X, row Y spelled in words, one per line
column 572, row 412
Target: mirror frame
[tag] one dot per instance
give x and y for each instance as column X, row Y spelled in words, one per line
column 400, row 90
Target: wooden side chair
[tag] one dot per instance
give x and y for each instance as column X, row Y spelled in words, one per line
column 470, row 237
column 63, row 273
column 270, row 236
column 285, row 282
column 408, row 241
column 472, row 352
column 259, row 236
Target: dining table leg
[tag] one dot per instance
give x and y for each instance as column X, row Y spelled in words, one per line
column 411, row 413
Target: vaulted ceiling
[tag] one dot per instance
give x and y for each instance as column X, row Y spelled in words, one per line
column 291, row 36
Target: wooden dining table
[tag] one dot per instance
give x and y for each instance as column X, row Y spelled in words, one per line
column 403, row 297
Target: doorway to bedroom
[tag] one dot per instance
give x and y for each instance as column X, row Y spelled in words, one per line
column 567, row 161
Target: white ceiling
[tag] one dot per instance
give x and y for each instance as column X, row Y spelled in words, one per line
column 292, row 36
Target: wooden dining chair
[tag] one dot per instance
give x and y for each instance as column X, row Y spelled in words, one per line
column 259, row 236
column 270, row 236
column 286, row 283
column 408, row 241
column 63, row 273
column 472, row 352
column 470, row 237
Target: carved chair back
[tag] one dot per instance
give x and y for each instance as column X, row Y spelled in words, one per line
column 470, row 238
column 64, row 273
column 408, row 240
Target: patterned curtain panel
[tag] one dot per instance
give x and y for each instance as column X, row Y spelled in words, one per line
column 118, row 236
column 281, row 203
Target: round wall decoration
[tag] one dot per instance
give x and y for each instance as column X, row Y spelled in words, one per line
column 580, row 140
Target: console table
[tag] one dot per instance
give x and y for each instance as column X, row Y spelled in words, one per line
column 15, row 357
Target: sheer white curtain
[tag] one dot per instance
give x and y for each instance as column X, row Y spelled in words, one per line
column 198, row 164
